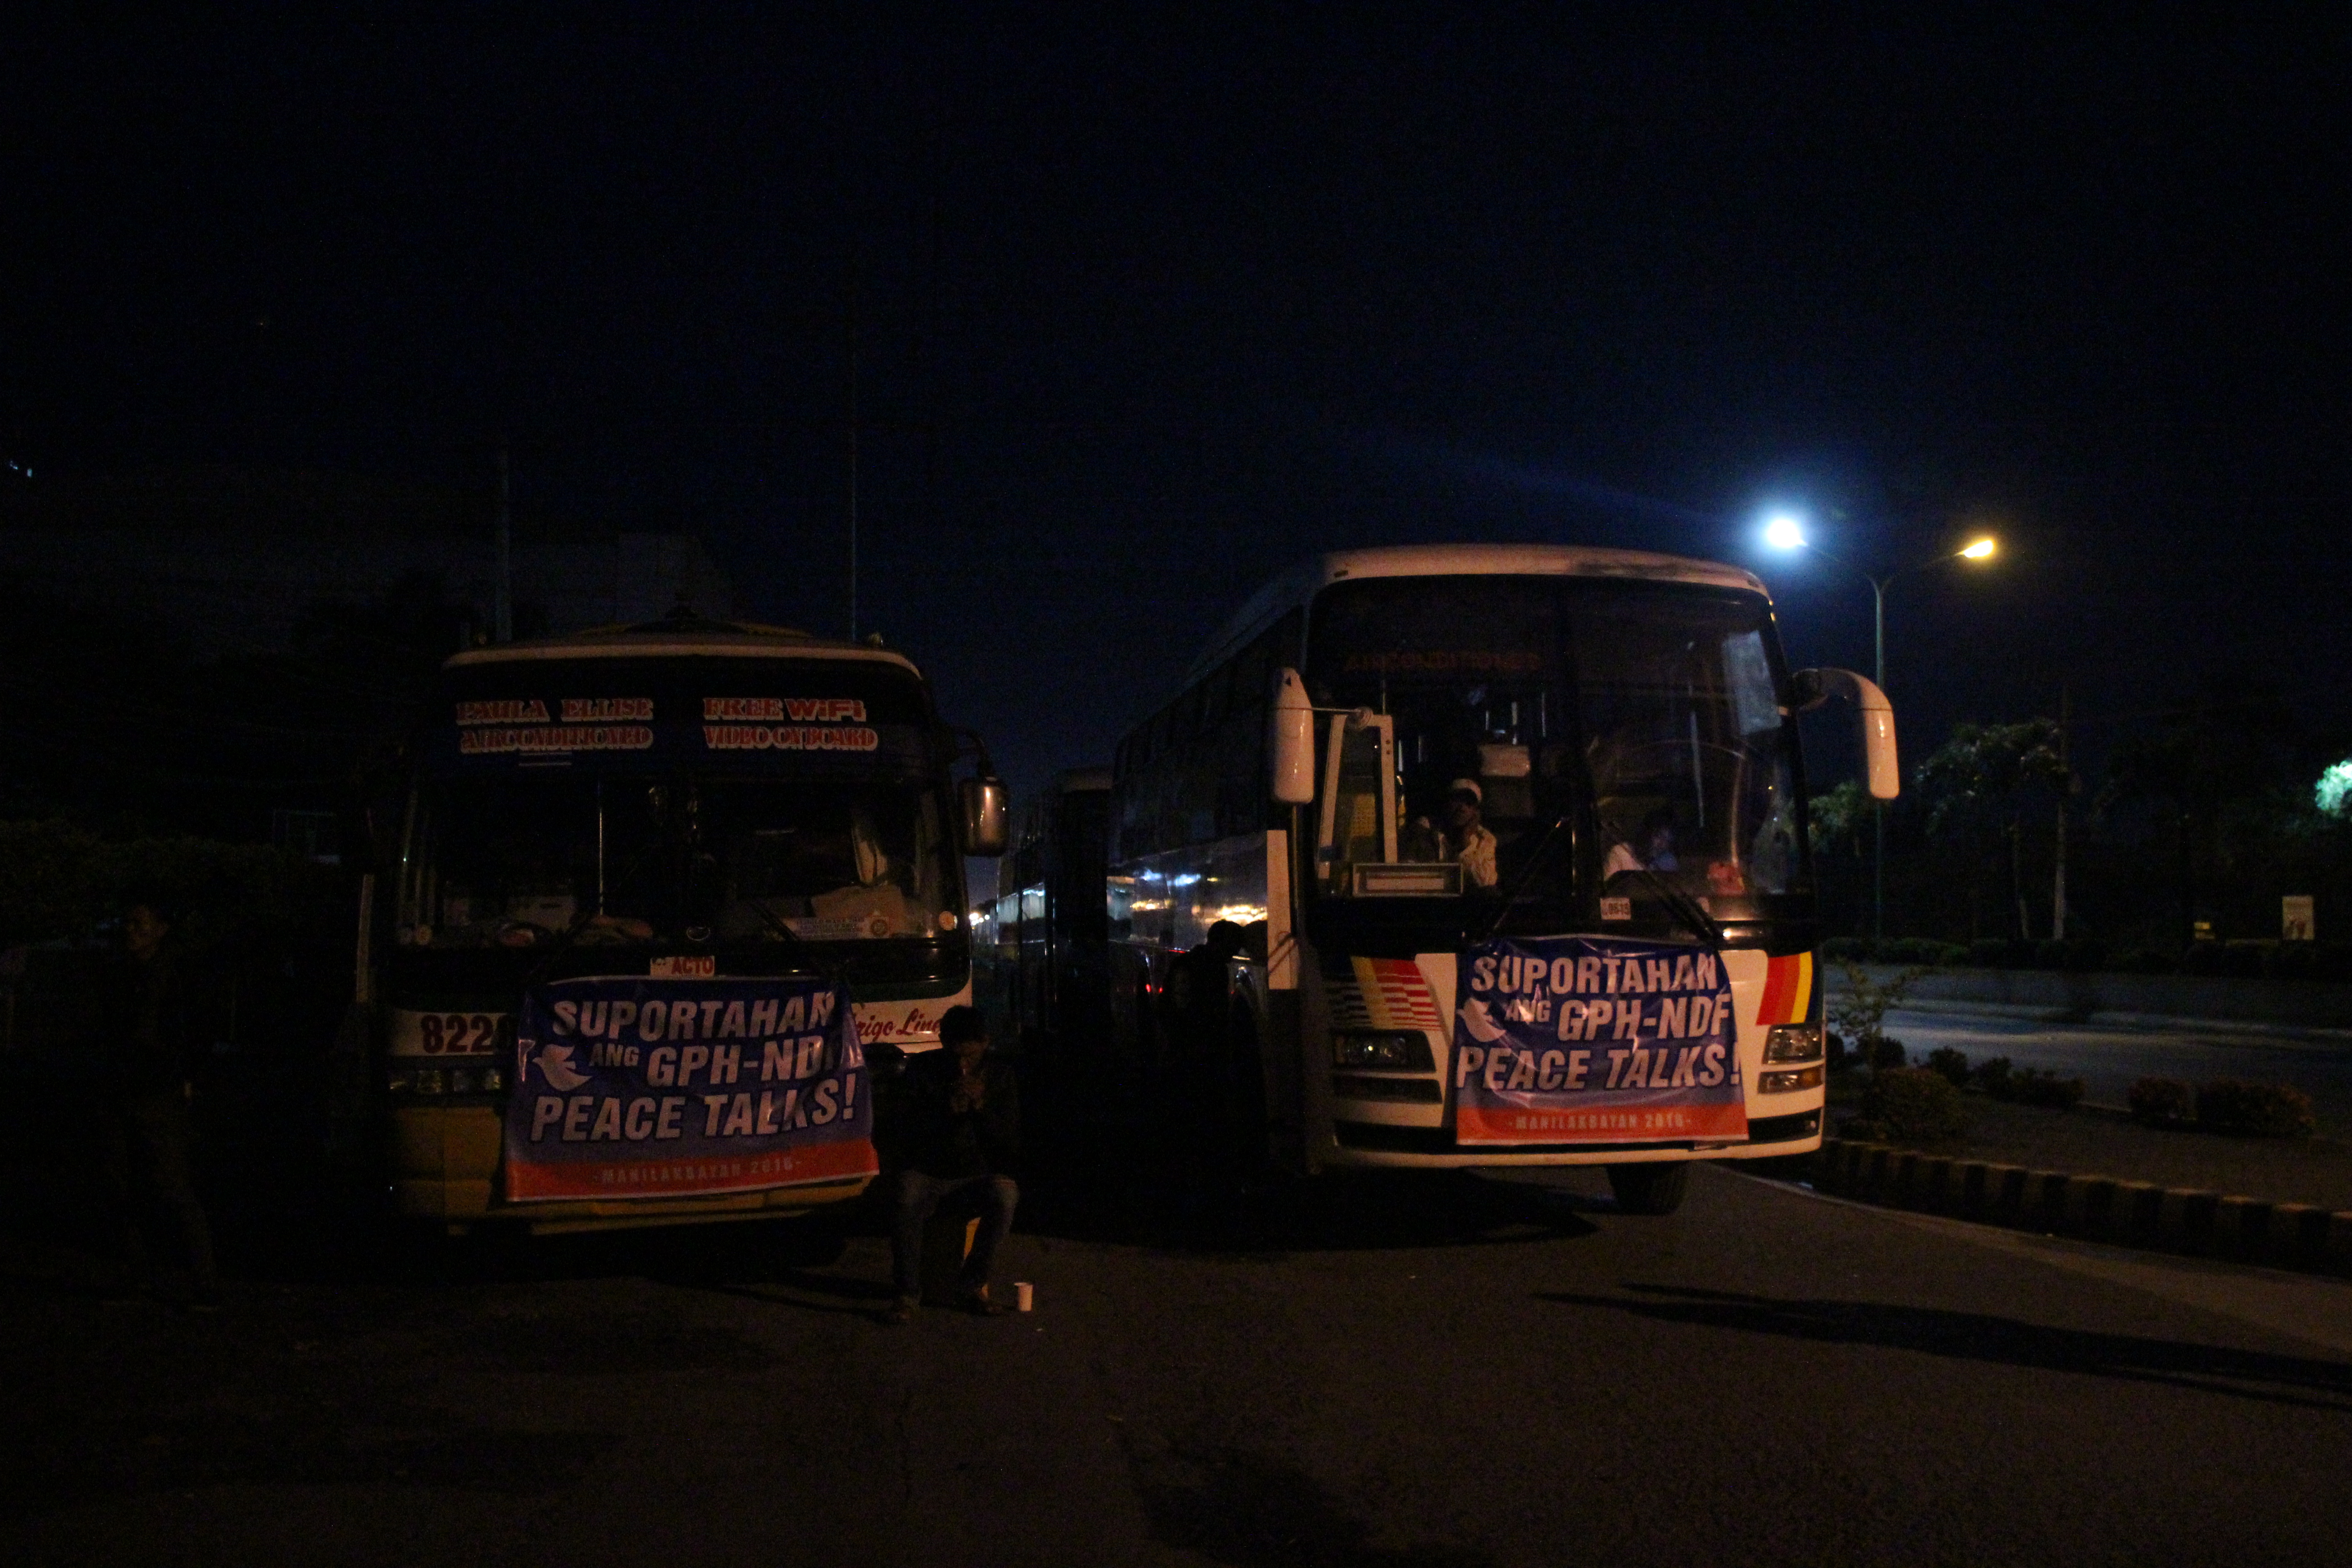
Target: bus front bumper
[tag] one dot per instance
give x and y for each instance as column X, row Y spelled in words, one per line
column 1391, row 1146
column 445, row 1166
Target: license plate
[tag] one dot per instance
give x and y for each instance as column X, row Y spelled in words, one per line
column 684, row 966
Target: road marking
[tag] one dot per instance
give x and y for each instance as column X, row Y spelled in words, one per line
column 2306, row 1306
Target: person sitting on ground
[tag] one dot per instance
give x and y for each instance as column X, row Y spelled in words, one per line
column 962, row 1128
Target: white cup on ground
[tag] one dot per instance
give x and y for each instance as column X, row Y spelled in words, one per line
column 1024, row 1294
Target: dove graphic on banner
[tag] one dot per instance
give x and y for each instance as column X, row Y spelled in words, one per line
column 555, row 1067
column 1478, row 1025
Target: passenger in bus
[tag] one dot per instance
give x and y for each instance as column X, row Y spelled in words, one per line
column 1651, row 849
column 960, row 1130
column 1466, row 835
column 146, row 1062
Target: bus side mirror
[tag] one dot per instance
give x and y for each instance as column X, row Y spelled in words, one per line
column 985, row 815
column 1815, row 687
column 1290, row 740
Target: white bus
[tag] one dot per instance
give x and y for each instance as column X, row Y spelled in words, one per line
column 1516, row 840
column 687, row 816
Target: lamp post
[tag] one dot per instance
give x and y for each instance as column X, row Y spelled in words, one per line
column 1786, row 531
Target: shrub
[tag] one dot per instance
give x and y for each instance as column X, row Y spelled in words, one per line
column 1915, row 1105
column 2253, row 1110
column 1926, row 951
column 2237, row 960
column 1886, row 1052
column 1839, row 1058
column 1859, row 1012
column 2083, row 955
column 1991, row 1076
column 1952, row 1064
column 2032, row 1086
column 2160, row 1102
column 2288, row 960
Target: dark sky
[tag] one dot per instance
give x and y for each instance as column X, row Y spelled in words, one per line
column 1150, row 301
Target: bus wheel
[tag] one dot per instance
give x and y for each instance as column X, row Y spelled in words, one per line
column 1655, row 1187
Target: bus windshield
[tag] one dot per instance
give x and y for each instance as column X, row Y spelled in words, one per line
column 1642, row 723
column 663, row 800
column 611, row 860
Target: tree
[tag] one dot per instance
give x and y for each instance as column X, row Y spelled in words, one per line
column 1977, row 784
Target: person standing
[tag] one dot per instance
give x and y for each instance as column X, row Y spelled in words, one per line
column 960, row 1113
column 147, row 1084
column 1197, row 1095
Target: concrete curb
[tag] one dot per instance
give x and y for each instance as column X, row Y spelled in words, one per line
column 2092, row 1207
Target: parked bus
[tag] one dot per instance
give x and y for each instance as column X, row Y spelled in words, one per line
column 1516, row 840
column 1043, row 940
column 678, row 848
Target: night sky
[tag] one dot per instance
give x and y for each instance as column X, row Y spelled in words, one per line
column 1147, row 304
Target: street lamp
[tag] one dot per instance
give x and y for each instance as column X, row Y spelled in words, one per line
column 1785, row 530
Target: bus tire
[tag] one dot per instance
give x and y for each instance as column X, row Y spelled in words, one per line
column 1655, row 1187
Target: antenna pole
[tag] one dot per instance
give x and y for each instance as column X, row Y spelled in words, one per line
column 852, row 459
column 502, row 599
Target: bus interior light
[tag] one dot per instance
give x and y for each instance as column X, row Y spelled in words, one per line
column 1793, row 1043
column 1401, row 1051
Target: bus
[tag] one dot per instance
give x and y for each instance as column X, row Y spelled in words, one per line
column 1042, row 942
column 656, row 891
column 1513, row 843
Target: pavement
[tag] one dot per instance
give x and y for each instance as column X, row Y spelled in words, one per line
column 1424, row 1371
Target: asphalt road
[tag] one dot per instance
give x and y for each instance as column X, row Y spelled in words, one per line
column 2108, row 1059
column 1432, row 1372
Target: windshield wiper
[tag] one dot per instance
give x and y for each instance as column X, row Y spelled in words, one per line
column 1684, row 908
column 1527, row 876
column 782, row 928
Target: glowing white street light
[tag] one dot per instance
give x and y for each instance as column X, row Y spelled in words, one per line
column 1785, row 530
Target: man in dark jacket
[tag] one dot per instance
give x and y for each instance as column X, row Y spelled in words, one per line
column 959, row 1128
column 145, row 1058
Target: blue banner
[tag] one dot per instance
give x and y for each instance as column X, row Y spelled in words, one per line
column 1595, row 1040
column 630, row 1088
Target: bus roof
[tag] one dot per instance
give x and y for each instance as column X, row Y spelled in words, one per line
column 681, row 635
column 1301, row 582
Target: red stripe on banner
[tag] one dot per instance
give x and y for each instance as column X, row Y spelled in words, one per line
column 702, row 1177
column 1633, row 1124
column 1780, row 981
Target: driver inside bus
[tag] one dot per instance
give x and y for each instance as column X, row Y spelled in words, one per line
column 1651, row 849
column 1467, row 839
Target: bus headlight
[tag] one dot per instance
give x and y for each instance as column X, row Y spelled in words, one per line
column 1788, row 1082
column 1402, row 1050
column 1793, row 1043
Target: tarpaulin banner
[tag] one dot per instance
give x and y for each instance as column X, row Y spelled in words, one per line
column 1590, row 1040
column 631, row 1088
